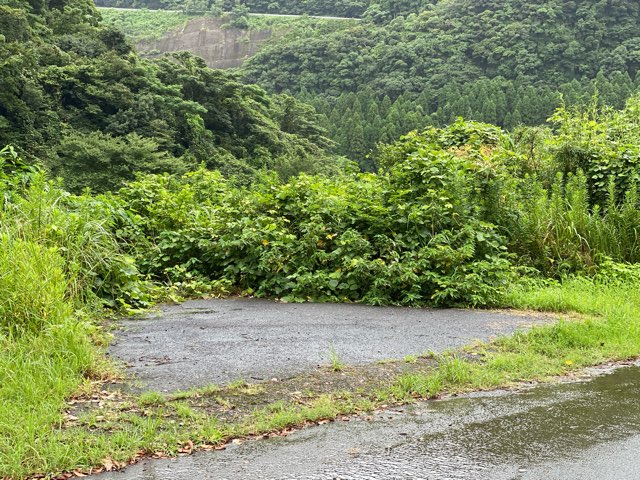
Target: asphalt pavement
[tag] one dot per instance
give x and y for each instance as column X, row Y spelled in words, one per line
column 207, row 342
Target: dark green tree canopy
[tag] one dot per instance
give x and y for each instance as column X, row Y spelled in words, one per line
column 74, row 94
column 508, row 62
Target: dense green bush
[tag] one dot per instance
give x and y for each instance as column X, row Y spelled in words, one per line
column 604, row 144
column 577, row 198
column 444, row 222
column 417, row 234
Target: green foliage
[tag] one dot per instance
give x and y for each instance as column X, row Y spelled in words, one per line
column 106, row 162
column 239, row 16
column 14, row 24
column 140, row 25
column 454, row 43
column 14, row 173
column 435, row 61
column 441, row 224
column 416, row 235
column 577, row 202
column 74, row 96
column 401, row 53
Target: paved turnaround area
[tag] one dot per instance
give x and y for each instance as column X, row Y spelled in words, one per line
column 218, row 341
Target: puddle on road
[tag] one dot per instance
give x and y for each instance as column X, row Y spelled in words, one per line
column 541, row 425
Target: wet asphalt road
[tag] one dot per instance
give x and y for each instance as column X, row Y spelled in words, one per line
column 216, row 341
column 587, row 430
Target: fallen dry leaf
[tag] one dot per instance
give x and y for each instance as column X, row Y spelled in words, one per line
column 109, row 464
column 186, row 448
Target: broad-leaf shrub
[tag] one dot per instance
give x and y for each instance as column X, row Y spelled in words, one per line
column 413, row 235
column 441, row 224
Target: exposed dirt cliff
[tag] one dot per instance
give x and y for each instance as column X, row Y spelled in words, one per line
column 220, row 47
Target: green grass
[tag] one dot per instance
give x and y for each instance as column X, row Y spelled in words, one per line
column 37, row 374
column 197, row 392
column 609, row 330
column 141, row 25
column 337, row 365
column 151, row 398
column 238, row 383
column 32, row 287
column 411, row 358
column 302, row 24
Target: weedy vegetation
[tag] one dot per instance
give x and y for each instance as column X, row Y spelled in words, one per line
column 337, row 365
column 205, row 186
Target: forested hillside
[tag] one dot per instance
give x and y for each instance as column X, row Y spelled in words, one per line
column 406, row 65
column 506, row 62
column 411, row 63
column 75, row 95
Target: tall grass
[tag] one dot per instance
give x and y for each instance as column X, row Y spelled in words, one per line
column 57, row 257
column 32, row 287
column 561, row 231
column 37, row 373
column 80, row 230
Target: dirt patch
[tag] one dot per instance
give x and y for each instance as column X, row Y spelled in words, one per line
column 353, row 382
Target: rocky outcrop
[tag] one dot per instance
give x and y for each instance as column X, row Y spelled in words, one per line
column 220, row 47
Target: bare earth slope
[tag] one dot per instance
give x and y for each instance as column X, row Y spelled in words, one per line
column 205, row 37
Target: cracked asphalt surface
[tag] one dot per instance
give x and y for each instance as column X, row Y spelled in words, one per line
column 202, row 342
